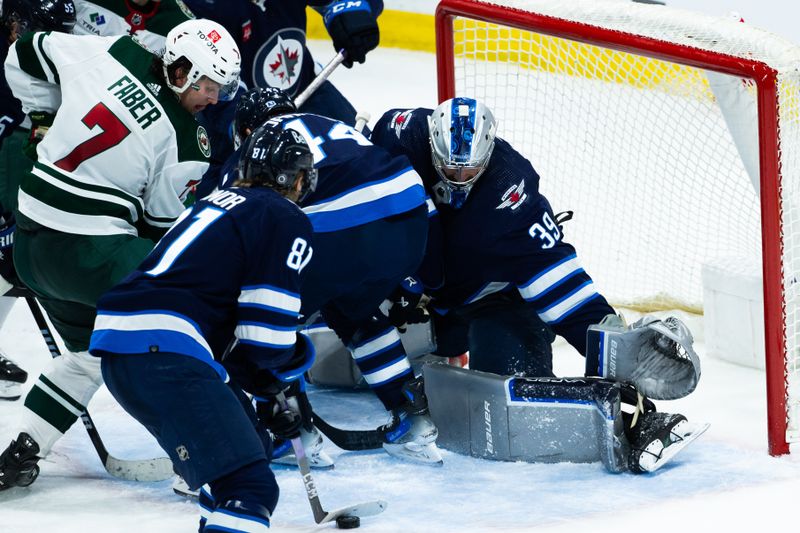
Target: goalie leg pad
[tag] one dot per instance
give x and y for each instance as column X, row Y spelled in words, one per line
column 654, row 355
column 527, row 419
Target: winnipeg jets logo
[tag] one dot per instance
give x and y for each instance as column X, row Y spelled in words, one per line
column 400, row 121
column 279, row 61
column 285, row 66
column 513, row 197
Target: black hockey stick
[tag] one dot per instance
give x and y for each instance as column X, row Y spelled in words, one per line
column 349, row 439
column 156, row 469
column 322, row 516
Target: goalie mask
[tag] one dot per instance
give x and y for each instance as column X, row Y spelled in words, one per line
column 277, row 158
column 255, row 107
column 39, row 15
column 462, row 133
column 210, row 51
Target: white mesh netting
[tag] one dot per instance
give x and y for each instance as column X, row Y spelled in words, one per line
column 658, row 160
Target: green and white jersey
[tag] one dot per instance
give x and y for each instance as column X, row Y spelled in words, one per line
column 122, row 154
column 149, row 24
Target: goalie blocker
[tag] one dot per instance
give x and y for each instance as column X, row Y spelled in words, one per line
column 551, row 420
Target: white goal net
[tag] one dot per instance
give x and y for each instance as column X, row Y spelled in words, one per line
column 656, row 126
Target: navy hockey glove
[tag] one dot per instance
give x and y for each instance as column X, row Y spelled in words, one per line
column 353, row 27
column 405, row 307
column 40, row 123
column 283, row 423
column 266, row 384
column 7, row 271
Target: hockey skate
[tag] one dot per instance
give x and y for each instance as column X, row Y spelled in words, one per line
column 283, row 454
column 658, row 437
column 181, row 488
column 411, row 435
column 18, row 466
column 11, row 379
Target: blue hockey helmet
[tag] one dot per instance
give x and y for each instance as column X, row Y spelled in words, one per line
column 39, row 15
column 462, row 134
column 255, row 107
column 278, row 158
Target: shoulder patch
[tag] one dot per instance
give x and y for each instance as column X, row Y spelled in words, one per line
column 400, row 120
column 203, row 142
column 514, row 196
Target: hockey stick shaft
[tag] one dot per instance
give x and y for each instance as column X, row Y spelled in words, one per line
column 349, row 439
column 320, row 79
column 156, row 469
column 305, row 470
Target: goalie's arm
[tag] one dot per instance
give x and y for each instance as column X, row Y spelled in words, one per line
column 563, row 293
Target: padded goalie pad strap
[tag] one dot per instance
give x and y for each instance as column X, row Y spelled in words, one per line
column 547, row 420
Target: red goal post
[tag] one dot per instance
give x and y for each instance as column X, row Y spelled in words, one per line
column 534, row 60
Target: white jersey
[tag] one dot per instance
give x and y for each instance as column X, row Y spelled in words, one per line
column 149, row 24
column 122, row 154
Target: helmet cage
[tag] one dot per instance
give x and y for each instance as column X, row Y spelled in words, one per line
column 462, row 138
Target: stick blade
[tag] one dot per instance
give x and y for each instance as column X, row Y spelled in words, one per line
column 157, row 469
column 360, row 510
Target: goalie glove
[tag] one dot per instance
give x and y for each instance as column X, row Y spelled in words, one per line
column 656, row 356
column 352, row 27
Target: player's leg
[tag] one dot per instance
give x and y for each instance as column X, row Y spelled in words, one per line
column 68, row 273
column 205, row 429
column 507, row 337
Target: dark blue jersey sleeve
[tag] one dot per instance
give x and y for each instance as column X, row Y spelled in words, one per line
column 231, row 267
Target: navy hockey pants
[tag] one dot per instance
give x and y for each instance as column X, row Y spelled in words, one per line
column 503, row 334
column 355, row 269
column 207, row 428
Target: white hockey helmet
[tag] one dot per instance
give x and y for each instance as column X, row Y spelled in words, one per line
column 211, row 51
column 462, row 132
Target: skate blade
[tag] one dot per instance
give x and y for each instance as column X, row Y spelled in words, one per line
column 10, row 390
column 317, row 461
column 180, row 488
column 427, row 454
column 360, row 510
column 688, row 434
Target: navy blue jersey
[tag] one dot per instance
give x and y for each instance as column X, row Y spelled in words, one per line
column 231, row 266
column 271, row 35
column 358, row 181
column 504, row 238
column 11, row 114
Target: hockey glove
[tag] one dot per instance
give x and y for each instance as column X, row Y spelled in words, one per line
column 265, row 384
column 406, row 308
column 283, row 423
column 353, row 27
column 8, row 275
column 40, row 123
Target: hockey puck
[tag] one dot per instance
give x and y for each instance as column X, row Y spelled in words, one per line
column 348, row 522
